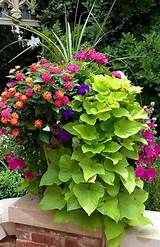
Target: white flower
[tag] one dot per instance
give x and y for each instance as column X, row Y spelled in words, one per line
column 33, row 42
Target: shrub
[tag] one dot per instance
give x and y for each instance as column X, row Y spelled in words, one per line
column 140, row 61
column 153, row 202
column 10, row 183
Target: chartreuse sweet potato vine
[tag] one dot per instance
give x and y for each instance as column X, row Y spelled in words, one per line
column 93, row 183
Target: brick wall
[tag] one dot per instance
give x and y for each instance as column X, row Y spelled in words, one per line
column 9, row 241
column 28, row 236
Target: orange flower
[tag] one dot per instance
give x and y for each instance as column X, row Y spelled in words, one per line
column 18, row 105
column 29, row 80
column 15, row 132
column 4, row 120
column 59, row 94
column 14, row 122
column 5, row 95
column 37, row 88
column 47, row 95
column 17, row 95
column 38, row 123
column 15, row 115
column 24, row 98
column 12, row 91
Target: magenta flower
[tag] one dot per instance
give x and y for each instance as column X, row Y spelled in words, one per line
column 73, row 68
column 29, row 92
column 2, row 104
column 117, row 74
column 28, row 175
column 6, row 112
column 97, row 57
column 55, row 70
column 82, row 55
column 46, row 77
column 150, row 174
column 14, row 163
column 20, row 76
column 140, row 172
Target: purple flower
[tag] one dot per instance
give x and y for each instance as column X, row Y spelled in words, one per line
column 150, row 174
column 63, row 136
column 140, row 172
column 73, row 68
column 67, row 114
column 11, row 84
column 83, row 89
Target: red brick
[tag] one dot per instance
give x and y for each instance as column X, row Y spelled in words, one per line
column 71, row 243
column 25, row 243
column 23, row 235
column 89, row 242
column 9, row 241
column 40, row 238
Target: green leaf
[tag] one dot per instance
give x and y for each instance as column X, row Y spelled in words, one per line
column 115, row 157
column 128, row 144
column 86, row 132
column 100, row 84
column 52, row 199
column 116, row 241
column 88, row 196
column 89, row 119
column 120, row 112
column 103, row 116
column 95, row 148
column 79, row 217
column 71, row 200
column 111, row 147
column 67, row 166
column 129, row 207
column 44, row 136
column 110, row 208
column 129, row 183
column 131, row 154
column 108, row 177
column 140, row 195
column 126, row 128
column 69, row 127
column 120, row 168
column 113, row 229
column 113, row 190
column 50, row 177
column 90, row 168
column 140, row 221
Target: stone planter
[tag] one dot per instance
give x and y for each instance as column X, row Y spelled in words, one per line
column 24, row 225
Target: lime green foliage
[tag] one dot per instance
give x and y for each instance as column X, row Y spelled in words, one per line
column 10, row 183
column 95, row 178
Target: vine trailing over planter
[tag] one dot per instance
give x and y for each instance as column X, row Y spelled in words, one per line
column 91, row 133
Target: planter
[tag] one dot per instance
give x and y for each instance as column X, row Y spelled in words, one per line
column 22, row 220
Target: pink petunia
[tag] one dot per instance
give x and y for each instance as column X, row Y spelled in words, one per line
column 150, row 174
column 55, row 70
column 6, row 112
column 20, row 76
column 140, row 172
column 46, row 77
column 73, row 68
column 29, row 92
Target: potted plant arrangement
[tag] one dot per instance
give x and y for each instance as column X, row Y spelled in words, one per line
column 94, row 142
